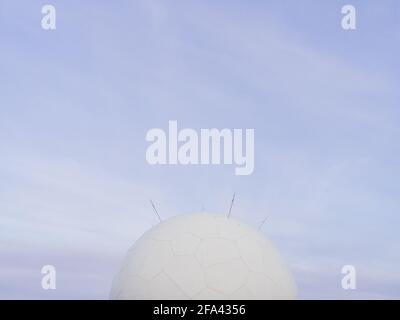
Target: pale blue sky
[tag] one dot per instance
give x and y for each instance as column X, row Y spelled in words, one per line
column 76, row 103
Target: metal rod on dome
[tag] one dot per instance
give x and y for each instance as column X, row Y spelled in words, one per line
column 230, row 209
column 155, row 210
column 262, row 223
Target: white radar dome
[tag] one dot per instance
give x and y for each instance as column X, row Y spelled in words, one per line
column 203, row 256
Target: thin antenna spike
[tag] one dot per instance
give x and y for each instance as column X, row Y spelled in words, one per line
column 262, row 223
column 155, row 210
column 230, row 209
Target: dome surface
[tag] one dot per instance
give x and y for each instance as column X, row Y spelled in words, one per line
column 203, row 256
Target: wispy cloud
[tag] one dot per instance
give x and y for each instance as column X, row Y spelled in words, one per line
column 74, row 185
